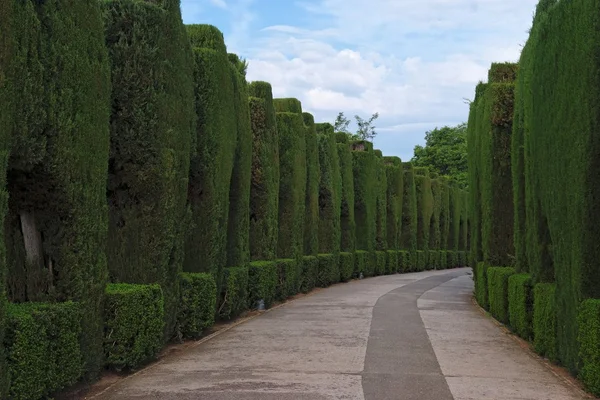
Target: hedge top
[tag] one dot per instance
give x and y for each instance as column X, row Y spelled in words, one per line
column 503, row 72
column 288, row 105
column 206, row 36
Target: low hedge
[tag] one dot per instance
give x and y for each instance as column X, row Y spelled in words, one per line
column 422, row 259
column 588, row 321
column 403, row 261
column 462, row 259
column 262, row 283
column 451, row 259
column 433, row 260
column 360, row 263
column 308, row 275
column 544, row 320
column 234, row 296
column 329, row 270
column 346, row 266
column 497, row 279
column 197, row 304
column 481, row 286
column 42, row 348
column 380, row 262
column 134, row 323
column 443, row 260
column 288, row 278
column 520, row 305
column 392, row 262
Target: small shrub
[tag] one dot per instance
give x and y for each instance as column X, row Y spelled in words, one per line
column 462, row 259
column 451, row 259
column 422, row 259
column 380, row 262
column 262, row 282
column 328, row 270
column 588, row 321
column 234, row 297
column 360, row 263
column 443, row 260
column 346, row 266
column 308, row 276
column 370, row 264
column 134, row 323
column 197, row 304
column 544, row 320
column 392, row 262
column 481, row 286
column 288, row 278
column 42, row 348
column 433, row 260
column 520, row 304
column 403, row 261
column 497, row 279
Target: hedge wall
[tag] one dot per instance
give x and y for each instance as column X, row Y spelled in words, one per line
column 287, row 105
column 311, row 221
column 588, row 320
column 330, row 196
column 292, row 184
column 408, row 237
column 308, row 275
column 347, row 221
column 234, row 292
column 346, row 266
column 435, row 234
column 520, row 305
column 262, row 283
column 380, row 202
column 264, row 187
column 238, row 228
column 544, row 320
column 212, row 164
column 424, row 207
column 497, row 282
column 197, row 303
column 395, row 195
column 444, row 212
column 364, row 172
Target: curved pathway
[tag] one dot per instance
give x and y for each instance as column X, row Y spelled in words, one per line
column 408, row 336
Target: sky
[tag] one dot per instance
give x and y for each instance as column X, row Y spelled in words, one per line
column 415, row 62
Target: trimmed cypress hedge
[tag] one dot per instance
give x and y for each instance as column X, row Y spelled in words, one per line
column 290, row 105
column 520, row 304
column 197, row 303
column 360, row 263
column 346, row 266
column 433, row 259
column 311, row 221
column 308, row 276
column 264, row 188
column 365, row 211
column 381, row 243
column 588, row 321
column 391, row 266
column 234, row 293
column 330, row 196
column 212, row 164
column 329, row 270
column 408, row 236
column 435, row 233
column 43, row 349
column 422, row 260
column 148, row 168
column 238, row 228
column 134, row 324
column 292, row 184
column 443, row 260
column 263, row 278
column 544, row 320
column 424, row 207
column 324, row 128
column 395, row 195
column 454, row 206
column 497, row 279
column 347, row 222
column 444, row 212
column 481, row 284
column 380, row 262
column 288, row 282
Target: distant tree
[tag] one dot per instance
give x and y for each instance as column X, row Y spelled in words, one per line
column 366, row 129
column 445, row 152
column 341, row 123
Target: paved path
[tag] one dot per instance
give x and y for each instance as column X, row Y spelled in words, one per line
column 410, row 336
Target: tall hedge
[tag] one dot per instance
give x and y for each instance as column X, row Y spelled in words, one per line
column 212, row 163
column 57, row 120
column 152, row 124
column 444, row 212
column 435, row 234
column 330, row 196
column 395, row 196
column 364, row 171
column 238, row 239
column 559, row 95
column 311, row 220
column 324, row 128
column 380, row 202
column 424, row 207
column 454, row 206
column 408, row 237
column 291, row 105
column 264, row 188
column 347, row 221
column 292, row 184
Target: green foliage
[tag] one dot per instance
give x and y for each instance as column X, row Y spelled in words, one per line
column 234, row 294
column 370, row 264
column 380, row 262
column 408, row 233
column 238, row 230
column 148, row 168
column 308, row 276
column 197, row 304
column 347, row 221
column 481, row 284
column 442, row 260
column 424, row 207
column 391, row 266
column 588, row 321
column 394, row 202
column 520, row 305
column 445, row 152
column 290, row 105
column 503, row 72
column 433, row 259
column 240, row 64
column 329, row 270
column 544, row 320
column 381, row 242
column 360, row 262
column 43, row 348
column 324, row 128
column 403, row 261
column 311, row 220
column 330, row 196
column 497, row 280
column 134, row 323
column 451, row 259
column 264, row 188
column 263, row 278
column 365, row 128
column 292, row 184
column 435, row 234
column 346, row 266
column 364, row 172
column 341, row 124
column 422, row 260
column 288, row 278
